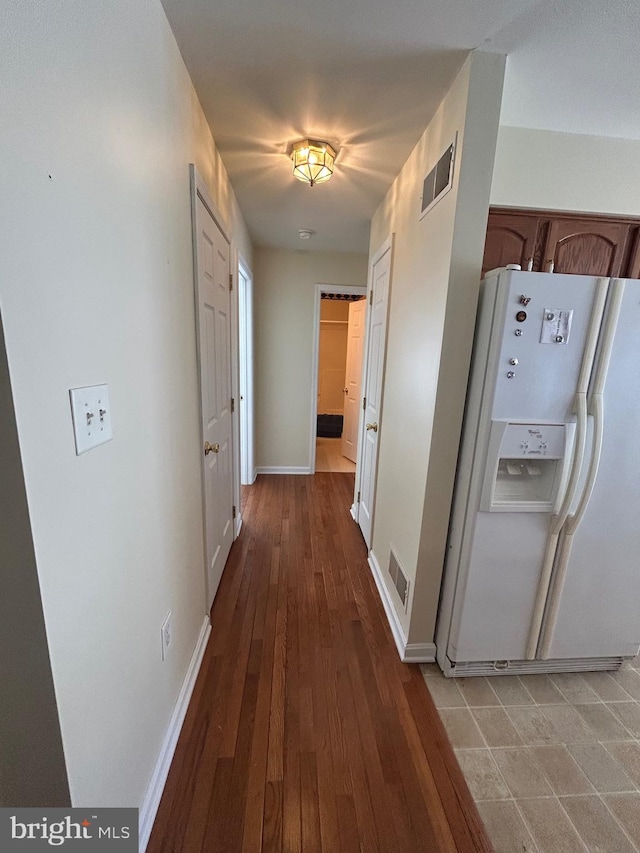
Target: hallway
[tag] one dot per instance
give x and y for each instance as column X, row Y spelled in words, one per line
column 305, row 732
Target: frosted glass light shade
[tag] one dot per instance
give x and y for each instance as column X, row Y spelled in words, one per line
column 312, row 161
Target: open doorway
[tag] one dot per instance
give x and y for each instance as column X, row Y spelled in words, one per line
column 339, row 333
column 245, row 366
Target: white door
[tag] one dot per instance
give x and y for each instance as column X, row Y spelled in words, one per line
column 332, row 358
column 353, row 375
column 214, row 350
column 380, row 274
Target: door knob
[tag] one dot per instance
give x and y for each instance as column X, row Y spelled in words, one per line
column 374, row 427
column 211, row 448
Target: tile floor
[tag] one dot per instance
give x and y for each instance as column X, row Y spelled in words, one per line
column 553, row 761
column 329, row 456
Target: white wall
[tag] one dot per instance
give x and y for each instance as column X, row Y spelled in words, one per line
column 566, row 171
column 100, row 121
column 434, row 287
column 284, row 304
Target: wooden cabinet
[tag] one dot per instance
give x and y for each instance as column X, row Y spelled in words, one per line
column 586, row 247
column 573, row 243
column 633, row 267
column 511, row 239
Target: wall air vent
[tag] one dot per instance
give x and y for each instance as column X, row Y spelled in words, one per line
column 439, row 180
column 399, row 578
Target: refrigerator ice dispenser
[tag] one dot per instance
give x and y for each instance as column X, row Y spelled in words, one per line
column 524, row 466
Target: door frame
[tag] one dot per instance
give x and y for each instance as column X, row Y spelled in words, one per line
column 200, row 190
column 246, row 372
column 386, row 246
column 351, row 289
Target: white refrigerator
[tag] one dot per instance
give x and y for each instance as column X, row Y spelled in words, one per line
column 543, row 559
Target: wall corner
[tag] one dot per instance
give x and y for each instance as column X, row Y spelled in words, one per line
column 486, row 77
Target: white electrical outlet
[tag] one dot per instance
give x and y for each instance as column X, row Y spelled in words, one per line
column 91, row 416
column 165, row 633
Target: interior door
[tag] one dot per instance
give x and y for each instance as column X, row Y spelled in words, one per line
column 214, row 352
column 380, row 276
column 332, row 358
column 353, row 377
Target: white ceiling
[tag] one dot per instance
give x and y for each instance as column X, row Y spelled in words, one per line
column 573, row 66
column 367, row 75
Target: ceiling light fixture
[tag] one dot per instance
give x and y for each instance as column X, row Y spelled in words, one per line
column 312, row 160
column 305, row 233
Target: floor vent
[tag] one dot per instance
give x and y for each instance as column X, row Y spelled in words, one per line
column 532, row 667
column 400, row 580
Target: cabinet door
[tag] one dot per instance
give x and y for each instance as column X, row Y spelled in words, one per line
column 585, row 247
column 510, row 240
column 633, row 267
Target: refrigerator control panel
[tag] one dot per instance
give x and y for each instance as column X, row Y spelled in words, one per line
column 522, row 440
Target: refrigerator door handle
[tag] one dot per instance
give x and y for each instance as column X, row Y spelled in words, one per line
column 581, row 404
column 570, row 528
column 596, row 409
column 573, row 522
column 608, row 336
column 559, row 519
column 598, row 434
column 557, row 523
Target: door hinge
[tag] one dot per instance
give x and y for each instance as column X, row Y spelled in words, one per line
column 371, row 297
column 364, row 403
column 233, row 405
column 234, row 512
column 230, row 281
column 358, row 501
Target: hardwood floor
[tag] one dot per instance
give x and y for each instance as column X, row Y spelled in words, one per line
column 329, row 456
column 305, row 732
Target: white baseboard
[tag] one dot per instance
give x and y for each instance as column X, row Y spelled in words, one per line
column 156, row 786
column 409, row 652
column 282, row 469
column 255, row 474
column 238, row 526
column 419, row 653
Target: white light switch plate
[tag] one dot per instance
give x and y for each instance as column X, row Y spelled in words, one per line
column 91, row 416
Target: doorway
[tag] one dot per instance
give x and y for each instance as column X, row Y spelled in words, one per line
column 337, row 363
column 245, row 369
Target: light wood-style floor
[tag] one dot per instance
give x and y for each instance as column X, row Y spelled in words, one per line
column 329, row 456
column 305, row 732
